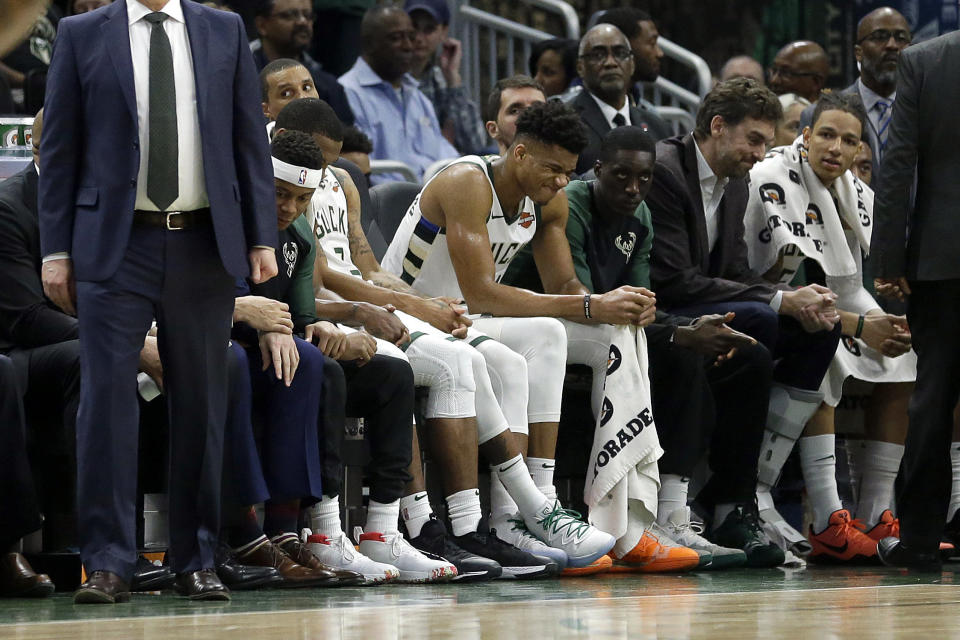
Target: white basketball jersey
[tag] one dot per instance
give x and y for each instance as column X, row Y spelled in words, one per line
column 418, row 252
column 328, row 213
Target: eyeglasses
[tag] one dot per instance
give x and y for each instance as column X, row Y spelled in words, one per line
column 882, row 36
column 788, row 74
column 599, row 54
column 293, row 14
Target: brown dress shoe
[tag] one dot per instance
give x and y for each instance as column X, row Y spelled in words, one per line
column 294, row 575
column 301, row 555
column 18, row 580
column 102, row 587
column 201, row 585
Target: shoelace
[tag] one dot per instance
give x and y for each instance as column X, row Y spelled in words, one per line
column 521, row 526
column 693, row 527
column 574, row 525
column 347, row 552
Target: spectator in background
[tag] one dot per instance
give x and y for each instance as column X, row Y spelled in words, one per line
column 642, row 33
column 83, row 6
column 357, row 149
column 741, row 67
column 285, row 28
column 788, row 127
column 800, row 67
column 436, row 65
column 337, row 30
column 553, row 63
column 388, row 106
column 863, row 163
column 606, row 66
column 505, row 103
column 25, row 67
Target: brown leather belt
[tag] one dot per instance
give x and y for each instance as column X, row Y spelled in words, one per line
column 173, row 220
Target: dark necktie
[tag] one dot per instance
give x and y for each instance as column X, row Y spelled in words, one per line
column 162, row 172
column 619, row 120
column 883, row 124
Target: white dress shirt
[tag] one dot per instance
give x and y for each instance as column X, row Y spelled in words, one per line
column 609, row 112
column 711, row 193
column 192, row 187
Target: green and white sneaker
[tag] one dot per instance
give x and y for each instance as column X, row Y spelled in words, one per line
column 687, row 532
column 513, row 530
column 564, row 529
column 741, row 530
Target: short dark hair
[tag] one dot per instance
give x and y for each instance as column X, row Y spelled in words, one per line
column 519, row 81
column 567, row 49
column 552, row 123
column 846, row 102
column 625, row 19
column 297, row 148
column 310, row 115
column 356, row 140
column 264, row 8
column 735, row 100
column 628, row 138
column 278, row 65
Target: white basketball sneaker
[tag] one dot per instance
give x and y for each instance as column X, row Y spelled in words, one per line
column 413, row 565
column 513, row 530
column 564, row 529
column 339, row 553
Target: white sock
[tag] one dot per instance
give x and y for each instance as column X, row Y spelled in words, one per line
column 541, row 470
column 518, row 483
column 416, row 512
column 955, row 488
column 383, row 517
column 501, row 504
column 325, row 517
column 720, row 513
column 879, row 464
column 463, row 509
column 818, row 461
column 672, row 496
column 764, row 498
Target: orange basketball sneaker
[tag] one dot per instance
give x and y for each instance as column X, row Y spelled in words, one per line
column 600, row 565
column 653, row 555
column 842, row 541
column 887, row 527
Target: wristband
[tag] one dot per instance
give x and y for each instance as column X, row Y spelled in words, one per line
column 859, row 330
column 586, row 306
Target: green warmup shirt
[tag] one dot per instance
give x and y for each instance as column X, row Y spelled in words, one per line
column 605, row 255
column 294, row 281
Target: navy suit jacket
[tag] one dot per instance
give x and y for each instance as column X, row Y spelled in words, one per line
column 90, row 151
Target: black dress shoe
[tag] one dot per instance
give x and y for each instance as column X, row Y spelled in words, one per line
column 893, row 553
column 102, row 587
column 149, row 577
column 238, row 576
column 201, row 585
column 19, row 580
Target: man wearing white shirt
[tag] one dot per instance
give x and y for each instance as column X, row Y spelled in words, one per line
column 606, row 65
column 156, row 199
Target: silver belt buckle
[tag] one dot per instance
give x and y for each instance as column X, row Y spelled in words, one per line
column 173, row 213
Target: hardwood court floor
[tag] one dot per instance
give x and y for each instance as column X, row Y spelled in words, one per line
column 812, row 603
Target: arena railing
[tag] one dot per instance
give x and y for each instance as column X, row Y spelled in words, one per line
column 394, row 166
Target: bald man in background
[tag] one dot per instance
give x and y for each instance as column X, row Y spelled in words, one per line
column 800, row 67
column 742, row 67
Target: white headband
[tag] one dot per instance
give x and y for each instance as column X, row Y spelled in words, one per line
column 293, row 174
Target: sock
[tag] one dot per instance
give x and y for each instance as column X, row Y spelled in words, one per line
column 955, row 487
column 463, row 509
column 764, row 498
column 541, row 470
column 241, row 526
column 818, row 460
column 672, row 496
column 501, row 504
column 383, row 517
column 516, row 478
column 721, row 511
column 878, row 471
column 416, row 512
column 325, row 517
column 280, row 516
column 243, row 549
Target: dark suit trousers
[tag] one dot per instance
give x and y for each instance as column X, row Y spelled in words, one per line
column 923, row 490
column 243, row 481
column 721, row 408
column 289, row 449
column 178, row 278
column 382, row 393
column 801, row 358
column 18, row 498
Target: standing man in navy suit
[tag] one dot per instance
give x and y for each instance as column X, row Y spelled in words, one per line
column 156, row 196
